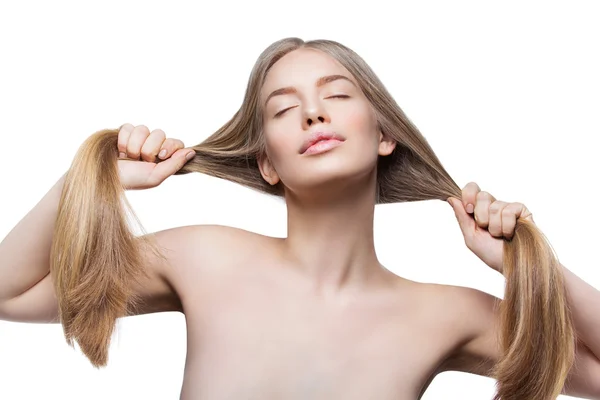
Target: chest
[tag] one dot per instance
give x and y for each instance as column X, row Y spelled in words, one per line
column 266, row 345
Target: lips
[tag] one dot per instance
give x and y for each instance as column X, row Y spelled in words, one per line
column 318, row 136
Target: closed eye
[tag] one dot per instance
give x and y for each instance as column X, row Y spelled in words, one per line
column 339, row 96
column 281, row 112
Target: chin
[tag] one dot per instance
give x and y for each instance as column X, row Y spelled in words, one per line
column 329, row 177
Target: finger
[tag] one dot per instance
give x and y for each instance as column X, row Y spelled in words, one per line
column 469, row 196
column 123, row 137
column 482, row 206
column 496, row 211
column 152, row 145
column 521, row 211
column 136, row 140
column 466, row 223
column 170, row 146
column 509, row 219
column 166, row 168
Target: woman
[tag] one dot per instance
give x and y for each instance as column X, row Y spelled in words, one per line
column 312, row 315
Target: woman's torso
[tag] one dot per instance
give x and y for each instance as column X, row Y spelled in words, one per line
column 256, row 333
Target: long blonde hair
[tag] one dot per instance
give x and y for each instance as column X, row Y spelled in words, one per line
column 95, row 257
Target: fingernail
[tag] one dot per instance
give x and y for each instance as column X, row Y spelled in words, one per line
column 190, row 155
column 121, row 155
column 469, row 208
column 162, row 153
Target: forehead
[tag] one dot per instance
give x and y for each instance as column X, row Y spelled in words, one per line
column 301, row 67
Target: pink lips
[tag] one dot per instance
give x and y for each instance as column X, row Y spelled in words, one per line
column 322, row 146
column 330, row 140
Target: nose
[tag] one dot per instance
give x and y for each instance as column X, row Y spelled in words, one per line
column 309, row 121
column 313, row 115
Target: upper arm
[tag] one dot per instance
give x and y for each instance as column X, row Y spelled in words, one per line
column 479, row 347
column 182, row 248
column 38, row 304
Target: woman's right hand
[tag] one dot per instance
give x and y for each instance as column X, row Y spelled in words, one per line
column 141, row 163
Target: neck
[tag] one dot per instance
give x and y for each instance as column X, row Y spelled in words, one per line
column 330, row 240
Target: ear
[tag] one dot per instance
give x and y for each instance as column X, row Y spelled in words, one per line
column 267, row 170
column 386, row 144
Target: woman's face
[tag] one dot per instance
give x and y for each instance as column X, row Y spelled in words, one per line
column 307, row 92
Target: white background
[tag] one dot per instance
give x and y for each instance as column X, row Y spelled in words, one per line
column 506, row 93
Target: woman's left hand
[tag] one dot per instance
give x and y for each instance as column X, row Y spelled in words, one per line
column 491, row 222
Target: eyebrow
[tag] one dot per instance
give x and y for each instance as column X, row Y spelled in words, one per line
column 320, row 82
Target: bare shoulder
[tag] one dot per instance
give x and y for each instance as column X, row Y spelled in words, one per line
column 191, row 253
column 204, row 246
column 472, row 323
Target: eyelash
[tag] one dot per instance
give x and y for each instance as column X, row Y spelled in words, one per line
column 340, row 96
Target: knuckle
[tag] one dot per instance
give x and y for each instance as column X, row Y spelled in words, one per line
column 159, row 133
column 126, row 128
column 176, row 143
column 124, row 133
column 168, row 142
column 507, row 211
column 171, row 145
column 495, row 206
column 472, row 186
column 481, row 194
column 142, row 129
column 136, row 141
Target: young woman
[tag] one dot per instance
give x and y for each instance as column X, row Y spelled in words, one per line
column 313, row 315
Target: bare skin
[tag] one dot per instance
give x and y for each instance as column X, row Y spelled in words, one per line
column 257, row 330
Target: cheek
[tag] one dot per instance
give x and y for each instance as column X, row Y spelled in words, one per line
column 362, row 123
column 279, row 148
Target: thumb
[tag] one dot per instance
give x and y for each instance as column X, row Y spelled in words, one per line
column 465, row 221
column 168, row 167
